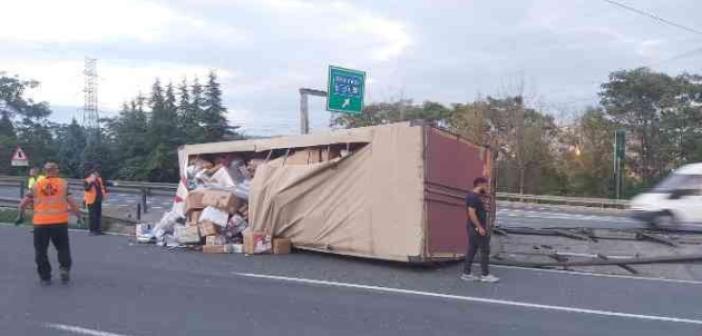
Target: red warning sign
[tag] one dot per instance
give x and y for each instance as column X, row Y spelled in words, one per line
column 19, row 159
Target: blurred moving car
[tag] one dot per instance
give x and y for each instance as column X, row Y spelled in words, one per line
column 675, row 200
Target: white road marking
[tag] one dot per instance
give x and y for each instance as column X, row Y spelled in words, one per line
column 475, row 299
column 80, row 330
column 628, row 277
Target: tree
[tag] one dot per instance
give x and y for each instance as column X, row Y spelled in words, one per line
column 71, row 144
column 129, row 130
column 386, row 113
column 187, row 123
column 194, row 128
column 213, row 117
column 586, row 154
column 163, row 135
column 8, row 139
column 636, row 100
column 97, row 154
column 682, row 125
column 28, row 118
column 521, row 135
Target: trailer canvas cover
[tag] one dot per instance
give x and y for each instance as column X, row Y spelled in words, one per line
column 398, row 197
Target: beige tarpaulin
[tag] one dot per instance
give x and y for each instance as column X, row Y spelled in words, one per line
column 367, row 204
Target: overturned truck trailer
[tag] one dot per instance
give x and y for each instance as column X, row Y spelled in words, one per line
column 392, row 192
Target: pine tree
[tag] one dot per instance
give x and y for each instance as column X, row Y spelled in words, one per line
column 170, row 99
column 175, row 136
column 214, row 114
column 96, row 155
column 157, row 120
column 195, row 128
column 162, row 141
column 130, row 131
column 186, row 114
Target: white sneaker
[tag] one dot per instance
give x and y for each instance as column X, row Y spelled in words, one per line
column 489, row 278
column 469, row 277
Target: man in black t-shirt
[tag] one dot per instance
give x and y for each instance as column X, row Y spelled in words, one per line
column 478, row 233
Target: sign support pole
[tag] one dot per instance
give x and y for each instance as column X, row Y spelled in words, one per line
column 619, row 156
column 304, row 114
column 304, row 107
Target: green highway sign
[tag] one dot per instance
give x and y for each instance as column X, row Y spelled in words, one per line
column 345, row 90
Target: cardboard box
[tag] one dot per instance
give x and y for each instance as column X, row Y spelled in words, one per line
column 215, row 240
column 193, row 217
column 303, row 157
column 257, row 242
column 282, row 246
column 330, row 153
column 215, row 216
column 223, row 200
column 221, row 178
column 194, row 201
column 217, row 249
column 244, row 211
column 187, row 234
column 208, row 229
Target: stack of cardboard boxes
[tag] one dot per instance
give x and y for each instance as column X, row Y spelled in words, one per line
column 219, row 219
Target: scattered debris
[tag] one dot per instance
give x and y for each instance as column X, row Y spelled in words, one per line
column 660, row 253
column 215, row 213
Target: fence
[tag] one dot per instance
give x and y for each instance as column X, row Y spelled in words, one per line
column 561, row 200
column 146, row 189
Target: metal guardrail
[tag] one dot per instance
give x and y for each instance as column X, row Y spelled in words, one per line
column 562, row 200
column 114, row 184
column 144, row 189
column 168, row 189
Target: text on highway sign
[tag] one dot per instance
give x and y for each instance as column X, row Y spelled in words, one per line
column 345, row 90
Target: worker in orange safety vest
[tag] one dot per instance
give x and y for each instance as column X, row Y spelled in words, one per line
column 95, row 193
column 53, row 206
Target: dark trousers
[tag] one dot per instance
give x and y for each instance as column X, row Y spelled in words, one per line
column 477, row 242
column 95, row 215
column 58, row 235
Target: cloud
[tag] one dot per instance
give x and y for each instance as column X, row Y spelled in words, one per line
column 343, row 27
column 118, row 80
column 265, row 50
column 91, row 21
column 650, row 49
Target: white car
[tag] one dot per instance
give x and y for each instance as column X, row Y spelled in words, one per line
column 675, row 200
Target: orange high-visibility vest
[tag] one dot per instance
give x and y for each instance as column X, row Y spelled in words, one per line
column 91, row 194
column 50, row 203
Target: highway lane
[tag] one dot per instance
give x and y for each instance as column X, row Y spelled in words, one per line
column 131, row 290
column 539, row 217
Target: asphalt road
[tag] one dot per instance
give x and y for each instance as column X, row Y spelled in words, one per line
column 130, row 290
column 536, row 216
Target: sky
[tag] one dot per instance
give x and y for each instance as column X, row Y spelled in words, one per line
column 555, row 52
